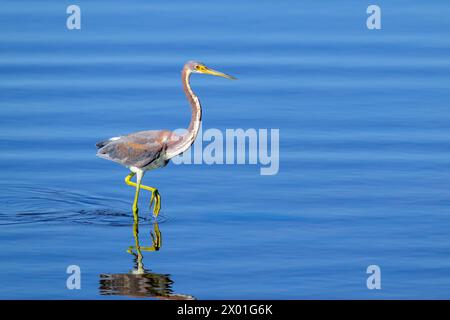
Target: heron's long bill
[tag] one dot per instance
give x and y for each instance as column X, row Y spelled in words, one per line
column 217, row 73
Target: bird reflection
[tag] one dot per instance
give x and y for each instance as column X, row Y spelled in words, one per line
column 141, row 282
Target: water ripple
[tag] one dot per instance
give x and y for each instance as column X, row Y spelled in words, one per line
column 31, row 205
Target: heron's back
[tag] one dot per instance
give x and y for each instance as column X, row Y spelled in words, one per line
column 144, row 149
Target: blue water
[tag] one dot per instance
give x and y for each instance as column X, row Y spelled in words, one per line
column 364, row 149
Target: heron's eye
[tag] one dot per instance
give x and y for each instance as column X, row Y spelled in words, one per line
column 197, row 67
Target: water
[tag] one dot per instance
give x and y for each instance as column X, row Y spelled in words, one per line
column 364, row 149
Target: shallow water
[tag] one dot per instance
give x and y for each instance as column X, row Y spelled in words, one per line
column 364, row 149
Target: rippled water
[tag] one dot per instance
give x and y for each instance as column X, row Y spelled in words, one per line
column 36, row 205
column 364, row 149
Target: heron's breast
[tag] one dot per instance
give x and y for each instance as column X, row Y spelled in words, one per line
column 159, row 162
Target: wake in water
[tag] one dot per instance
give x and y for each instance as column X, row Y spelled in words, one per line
column 29, row 205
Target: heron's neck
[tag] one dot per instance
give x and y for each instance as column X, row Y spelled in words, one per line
column 196, row 116
column 188, row 138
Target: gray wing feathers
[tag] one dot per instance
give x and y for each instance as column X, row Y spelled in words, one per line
column 138, row 149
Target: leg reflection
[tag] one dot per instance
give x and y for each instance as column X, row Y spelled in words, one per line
column 137, row 249
column 141, row 282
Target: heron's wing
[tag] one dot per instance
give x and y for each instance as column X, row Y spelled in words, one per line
column 137, row 149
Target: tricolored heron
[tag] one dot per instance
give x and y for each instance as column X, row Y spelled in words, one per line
column 147, row 150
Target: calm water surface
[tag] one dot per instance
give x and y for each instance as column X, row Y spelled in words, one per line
column 364, row 146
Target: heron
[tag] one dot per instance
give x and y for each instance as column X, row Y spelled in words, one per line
column 148, row 150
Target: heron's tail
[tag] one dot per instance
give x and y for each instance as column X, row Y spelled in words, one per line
column 101, row 144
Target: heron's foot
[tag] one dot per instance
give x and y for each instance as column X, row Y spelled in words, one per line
column 155, row 198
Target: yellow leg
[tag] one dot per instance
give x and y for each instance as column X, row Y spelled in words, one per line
column 155, row 194
column 156, row 235
column 136, row 200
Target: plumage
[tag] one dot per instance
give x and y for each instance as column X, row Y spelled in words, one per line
column 140, row 149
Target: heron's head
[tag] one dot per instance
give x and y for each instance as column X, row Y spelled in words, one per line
column 198, row 67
